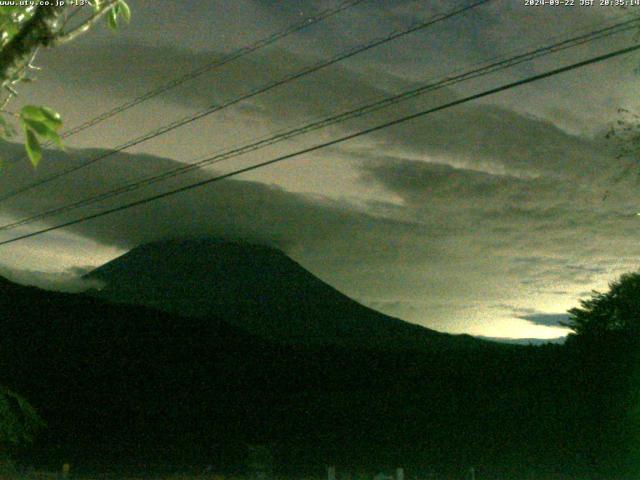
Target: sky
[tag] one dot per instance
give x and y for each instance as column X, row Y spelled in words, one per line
column 491, row 218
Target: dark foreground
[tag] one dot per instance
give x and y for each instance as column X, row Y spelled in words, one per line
column 124, row 389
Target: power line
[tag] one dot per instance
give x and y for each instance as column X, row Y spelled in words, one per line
column 236, row 54
column 391, row 123
column 217, row 107
column 241, row 52
column 334, row 119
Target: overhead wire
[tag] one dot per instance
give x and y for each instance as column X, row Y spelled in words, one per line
column 366, row 131
column 337, row 118
column 236, row 54
column 217, row 107
column 207, row 67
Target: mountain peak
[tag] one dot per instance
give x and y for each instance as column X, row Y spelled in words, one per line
column 204, row 243
column 255, row 287
column 194, row 250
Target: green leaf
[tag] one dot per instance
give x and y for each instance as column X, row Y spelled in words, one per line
column 41, row 114
column 31, row 111
column 39, row 122
column 7, row 11
column 53, row 118
column 44, row 130
column 55, row 138
column 124, row 11
column 112, row 17
column 38, row 127
column 43, row 120
column 32, row 145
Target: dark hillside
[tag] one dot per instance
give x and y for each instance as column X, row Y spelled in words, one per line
column 123, row 386
column 260, row 290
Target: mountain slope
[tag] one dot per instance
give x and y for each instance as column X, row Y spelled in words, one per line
column 259, row 289
column 107, row 377
column 118, row 384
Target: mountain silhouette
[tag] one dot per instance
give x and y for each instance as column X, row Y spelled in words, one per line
column 118, row 384
column 259, row 289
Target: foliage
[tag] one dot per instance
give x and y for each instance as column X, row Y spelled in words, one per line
column 12, row 18
column 19, row 422
column 259, row 460
column 625, row 133
column 120, row 10
column 606, row 347
column 613, row 313
column 39, row 122
column 22, row 35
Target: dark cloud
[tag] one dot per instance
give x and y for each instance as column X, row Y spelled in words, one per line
column 228, row 209
column 545, row 319
column 124, row 69
column 525, row 341
column 501, row 142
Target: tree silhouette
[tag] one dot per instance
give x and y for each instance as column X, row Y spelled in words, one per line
column 605, row 342
column 615, row 313
column 18, row 423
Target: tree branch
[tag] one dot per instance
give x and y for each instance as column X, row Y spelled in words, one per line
column 38, row 31
column 5, row 101
column 84, row 26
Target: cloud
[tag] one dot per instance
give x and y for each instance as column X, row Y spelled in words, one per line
column 124, row 68
column 499, row 142
column 541, row 223
column 70, row 281
column 546, row 319
column 525, row 341
column 228, row 209
column 489, row 138
column 523, row 237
